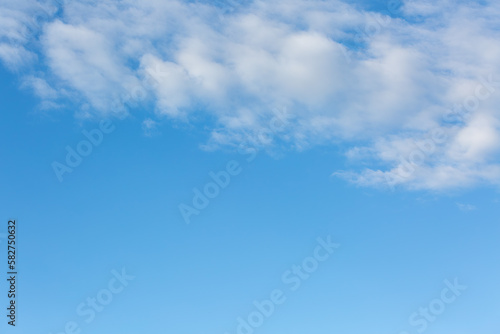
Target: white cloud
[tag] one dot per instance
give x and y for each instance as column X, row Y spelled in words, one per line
column 150, row 127
column 21, row 21
column 15, row 56
column 40, row 87
column 466, row 207
column 382, row 84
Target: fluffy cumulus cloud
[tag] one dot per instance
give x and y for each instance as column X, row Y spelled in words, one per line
column 413, row 89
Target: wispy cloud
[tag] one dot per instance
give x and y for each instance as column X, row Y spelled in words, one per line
column 387, row 94
column 466, row 207
column 150, row 127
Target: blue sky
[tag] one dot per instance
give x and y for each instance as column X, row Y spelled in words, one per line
column 372, row 125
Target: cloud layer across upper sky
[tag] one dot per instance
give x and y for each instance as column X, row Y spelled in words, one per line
column 411, row 91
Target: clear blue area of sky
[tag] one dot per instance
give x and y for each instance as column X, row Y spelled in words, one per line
column 119, row 209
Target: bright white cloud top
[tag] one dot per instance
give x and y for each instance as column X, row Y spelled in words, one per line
column 414, row 91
